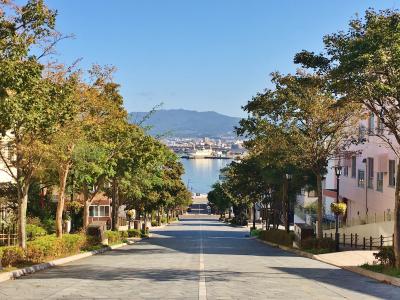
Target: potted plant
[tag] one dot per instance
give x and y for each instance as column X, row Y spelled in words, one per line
column 338, row 208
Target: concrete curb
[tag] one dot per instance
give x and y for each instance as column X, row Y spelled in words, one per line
column 60, row 261
column 163, row 225
column 367, row 273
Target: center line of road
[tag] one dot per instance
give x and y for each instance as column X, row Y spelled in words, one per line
column 202, row 277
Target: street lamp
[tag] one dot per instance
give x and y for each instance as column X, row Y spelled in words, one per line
column 338, row 172
column 288, row 177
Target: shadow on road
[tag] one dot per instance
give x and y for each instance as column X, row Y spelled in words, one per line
column 222, row 244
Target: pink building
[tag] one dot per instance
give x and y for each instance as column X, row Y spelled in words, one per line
column 367, row 183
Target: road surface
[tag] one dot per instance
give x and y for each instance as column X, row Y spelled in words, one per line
column 197, row 258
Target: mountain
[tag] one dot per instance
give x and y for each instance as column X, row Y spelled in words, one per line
column 187, row 123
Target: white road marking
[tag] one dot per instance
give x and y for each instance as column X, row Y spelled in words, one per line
column 202, row 277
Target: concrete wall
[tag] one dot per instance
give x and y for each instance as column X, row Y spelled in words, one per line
column 374, row 229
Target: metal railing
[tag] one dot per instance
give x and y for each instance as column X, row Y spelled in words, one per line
column 364, row 243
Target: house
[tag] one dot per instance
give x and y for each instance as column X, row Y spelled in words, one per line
column 367, row 183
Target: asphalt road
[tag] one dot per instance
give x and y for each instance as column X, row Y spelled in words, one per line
column 197, row 258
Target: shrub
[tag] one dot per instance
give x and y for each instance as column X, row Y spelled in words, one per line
column 325, row 244
column 49, row 225
column 49, row 247
column 11, row 255
column 34, row 231
column 255, row 232
column 133, row 233
column 113, row 237
column 154, row 223
column 386, row 256
column 144, row 233
column 277, row 236
column 163, row 220
column 91, row 241
column 43, row 248
column 72, row 243
column 123, row 234
column 239, row 221
column 33, row 221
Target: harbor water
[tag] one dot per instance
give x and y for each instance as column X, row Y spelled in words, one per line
column 201, row 174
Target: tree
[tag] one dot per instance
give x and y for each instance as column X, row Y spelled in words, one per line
column 104, row 129
column 363, row 65
column 305, row 119
column 219, row 198
column 59, row 156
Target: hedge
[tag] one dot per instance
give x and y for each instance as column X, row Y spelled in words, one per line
column 43, row 249
column 33, row 231
column 117, row 237
column 133, row 233
column 316, row 245
column 277, row 236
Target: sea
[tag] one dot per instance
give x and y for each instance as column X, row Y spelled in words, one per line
column 201, row 174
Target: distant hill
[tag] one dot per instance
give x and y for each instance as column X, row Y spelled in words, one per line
column 187, row 123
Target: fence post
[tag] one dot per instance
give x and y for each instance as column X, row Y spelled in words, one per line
column 370, row 243
column 356, row 240
column 351, row 240
column 381, row 241
column 344, row 239
column 364, row 243
column 331, row 235
column 325, row 234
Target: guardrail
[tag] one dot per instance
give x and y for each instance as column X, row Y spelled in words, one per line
column 355, row 241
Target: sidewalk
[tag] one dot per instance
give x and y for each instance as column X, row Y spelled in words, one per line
column 351, row 258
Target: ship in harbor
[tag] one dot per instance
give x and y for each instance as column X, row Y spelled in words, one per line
column 199, row 153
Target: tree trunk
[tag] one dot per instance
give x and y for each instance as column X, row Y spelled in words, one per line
column 115, row 205
column 396, row 230
column 86, row 206
column 254, row 215
column 63, row 174
column 22, row 207
column 284, row 204
column 319, row 206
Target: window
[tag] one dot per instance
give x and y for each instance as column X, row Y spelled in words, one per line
column 371, row 124
column 380, row 127
column 346, row 171
column 370, row 172
column 361, row 134
column 361, row 178
column 93, row 211
column 392, row 172
column 379, row 181
column 99, row 211
column 353, row 166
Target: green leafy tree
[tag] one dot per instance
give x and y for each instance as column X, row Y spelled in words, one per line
column 218, row 198
column 363, row 65
column 307, row 121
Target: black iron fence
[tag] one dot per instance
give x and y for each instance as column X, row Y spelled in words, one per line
column 354, row 241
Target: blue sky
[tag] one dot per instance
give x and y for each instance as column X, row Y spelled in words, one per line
column 202, row 55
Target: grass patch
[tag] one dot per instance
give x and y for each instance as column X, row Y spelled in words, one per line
column 391, row 271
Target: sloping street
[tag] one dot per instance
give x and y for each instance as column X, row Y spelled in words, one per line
column 197, row 258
